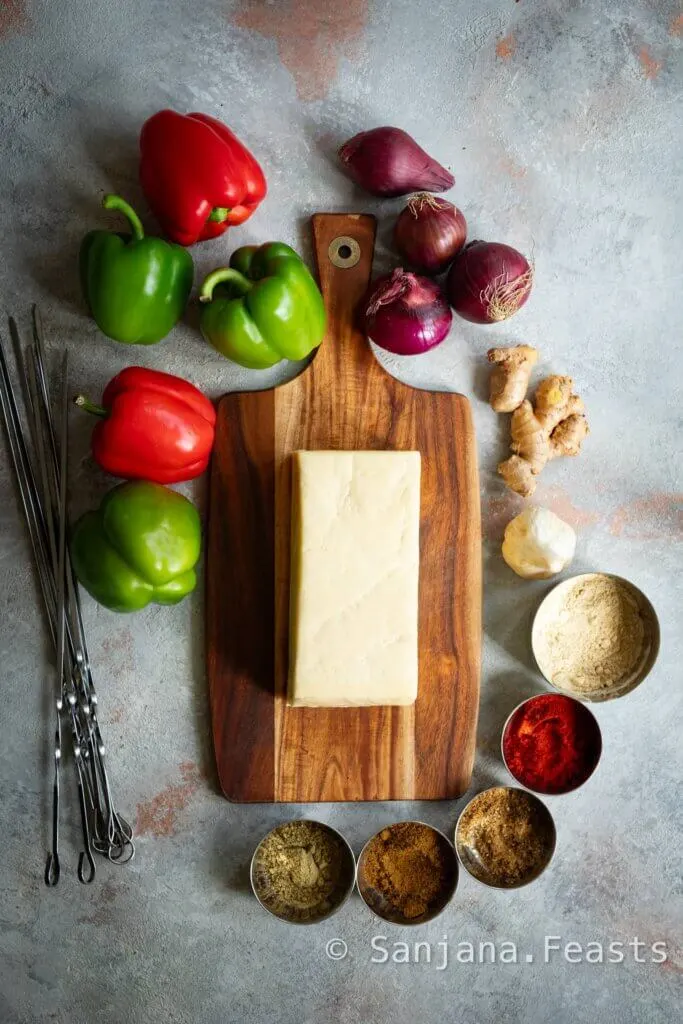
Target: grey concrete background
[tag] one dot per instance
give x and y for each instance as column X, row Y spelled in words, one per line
column 561, row 121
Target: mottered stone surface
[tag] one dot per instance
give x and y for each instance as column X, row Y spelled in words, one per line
column 560, row 121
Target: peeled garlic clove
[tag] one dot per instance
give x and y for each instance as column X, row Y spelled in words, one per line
column 538, row 544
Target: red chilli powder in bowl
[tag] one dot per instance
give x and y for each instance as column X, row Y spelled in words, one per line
column 551, row 743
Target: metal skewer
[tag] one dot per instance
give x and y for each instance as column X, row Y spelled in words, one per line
column 115, row 840
column 40, row 464
column 112, row 834
column 61, row 635
column 34, row 519
column 86, row 853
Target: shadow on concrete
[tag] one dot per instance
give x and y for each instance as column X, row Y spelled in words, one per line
column 77, row 210
column 55, row 270
column 500, row 695
column 509, row 627
column 200, row 693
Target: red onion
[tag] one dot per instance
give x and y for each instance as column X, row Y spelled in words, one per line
column 388, row 162
column 406, row 314
column 429, row 232
column 488, row 282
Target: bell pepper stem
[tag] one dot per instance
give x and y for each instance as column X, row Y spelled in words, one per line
column 83, row 402
column 242, row 283
column 219, row 214
column 111, row 202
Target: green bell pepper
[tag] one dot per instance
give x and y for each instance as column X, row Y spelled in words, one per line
column 140, row 545
column 136, row 288
column 268, row 308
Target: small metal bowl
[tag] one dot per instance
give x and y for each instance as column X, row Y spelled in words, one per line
column 382, row 906
column 590, row 731
column 472, row 860
column 346, row 877
column 547, row 611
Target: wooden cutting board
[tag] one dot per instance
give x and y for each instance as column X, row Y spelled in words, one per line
column 265, row 750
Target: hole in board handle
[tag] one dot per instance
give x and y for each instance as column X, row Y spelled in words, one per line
column 344, row 252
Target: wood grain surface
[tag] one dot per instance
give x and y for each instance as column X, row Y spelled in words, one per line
column 266, row 750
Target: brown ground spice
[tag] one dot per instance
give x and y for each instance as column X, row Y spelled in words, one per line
column 505, row 836
column 408, row 866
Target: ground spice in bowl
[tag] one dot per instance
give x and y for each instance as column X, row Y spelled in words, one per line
column 302, row 871
column 505, row 837
column 407, row 873
column 595, row 636
column 551, row 743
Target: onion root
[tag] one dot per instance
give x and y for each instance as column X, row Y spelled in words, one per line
column 503, row 297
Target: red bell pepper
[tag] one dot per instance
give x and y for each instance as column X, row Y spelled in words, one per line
column 155, row 427
column 197, row 176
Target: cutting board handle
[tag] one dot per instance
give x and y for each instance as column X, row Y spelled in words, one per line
column 344, row 249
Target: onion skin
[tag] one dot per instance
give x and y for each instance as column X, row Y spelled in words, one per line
column 405, row 314
column 429, row 233
column 488, row 282
column 388, row 162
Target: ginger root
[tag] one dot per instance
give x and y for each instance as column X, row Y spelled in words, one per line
column 567, row 436
column 517, row 474
column 510, row 375
column 554, row 425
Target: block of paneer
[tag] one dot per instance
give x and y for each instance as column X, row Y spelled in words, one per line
column 354, row 578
